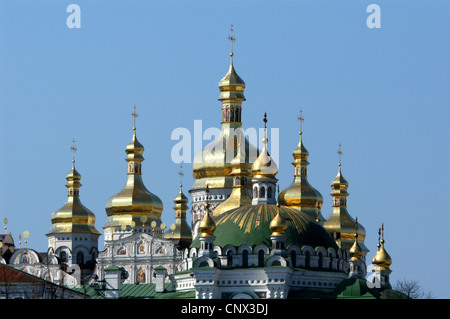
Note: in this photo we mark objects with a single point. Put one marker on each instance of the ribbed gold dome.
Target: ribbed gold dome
(300, 194)
(134, 200)
(73, 217)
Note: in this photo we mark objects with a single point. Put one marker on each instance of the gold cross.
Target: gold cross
(181, 175)
(340, 154)
(232, 39)
(134, 114)
(73, 149)
(301, 119)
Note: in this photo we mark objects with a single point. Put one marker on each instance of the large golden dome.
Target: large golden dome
(134, 200)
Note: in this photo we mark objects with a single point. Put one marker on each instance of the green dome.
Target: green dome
(250, 225)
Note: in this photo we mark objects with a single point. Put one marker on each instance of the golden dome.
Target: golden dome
(231, 86)
(134, 200)
(180, 230)
(264, 166)
(73, 217)
(356, 251)
(300, 194)
(382, 258)
(207, 224)
(278, 225)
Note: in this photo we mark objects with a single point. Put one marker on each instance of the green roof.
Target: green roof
(138, 291)
(355, 288)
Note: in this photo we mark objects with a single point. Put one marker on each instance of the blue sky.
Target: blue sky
(383, 93)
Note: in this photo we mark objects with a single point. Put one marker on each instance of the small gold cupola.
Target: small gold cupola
(278, 225)
(180, 231)
(382, 259)
(356, 251)
(207, 225)
(300, 194)
(264, 170)
(264, 166)
(134, 200)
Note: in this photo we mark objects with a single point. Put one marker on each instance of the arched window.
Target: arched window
(307, 259)
(80, 258)
(245, 258)
(261, 258)
(320, 259)
(294, 258)
(262, 192)
(63, 256)
(269, 192)
(229, 258)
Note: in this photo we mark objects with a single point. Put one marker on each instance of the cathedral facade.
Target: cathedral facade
(246, 239)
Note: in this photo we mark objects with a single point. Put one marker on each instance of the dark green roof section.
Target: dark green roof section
(137, 291)
(355, 288)
(112, 268)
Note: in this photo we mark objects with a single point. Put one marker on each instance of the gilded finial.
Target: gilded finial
(232, 39)
(73, 149)
(134, 115)
(5, 221)
(278, 195)
(301, 119)
(265, 128)
(356, 228)
(340, 154)
(379, 236)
